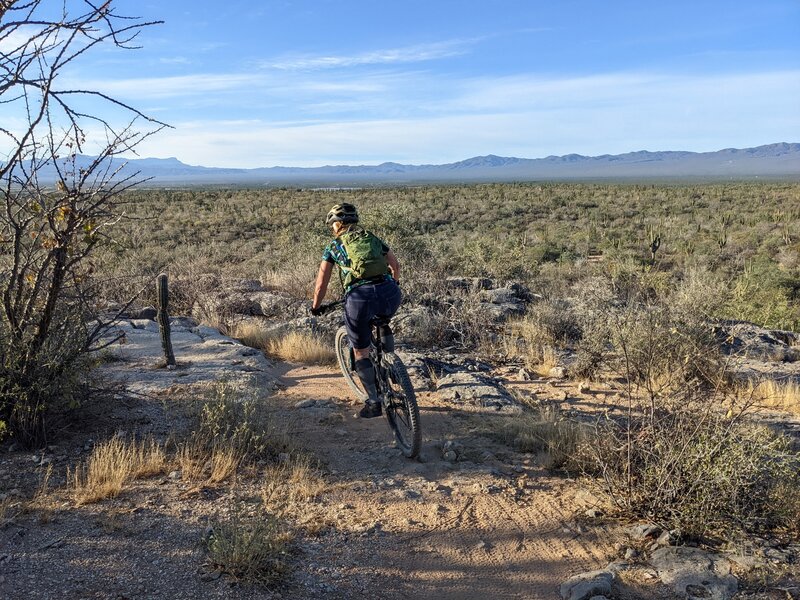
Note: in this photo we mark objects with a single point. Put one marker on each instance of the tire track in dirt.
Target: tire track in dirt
(468, 533)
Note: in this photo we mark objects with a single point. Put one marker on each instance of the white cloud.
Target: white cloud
(408, 54)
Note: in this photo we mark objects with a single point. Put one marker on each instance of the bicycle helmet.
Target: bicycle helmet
(345, 213)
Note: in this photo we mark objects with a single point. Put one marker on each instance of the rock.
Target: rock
(148, 312)
(694, 573)
(643, 531)
(587, 585)
(475, 391)
(557, 373)
(413, 494)
(307, 403)
(246, 285)
(450, 456)
(594, 513)
(175, 474)
(630, 553)
(485, 546)
(468, 283)
(523, 375)
(665, 539)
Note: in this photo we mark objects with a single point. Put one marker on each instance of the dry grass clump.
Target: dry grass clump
(249, 547)
(252, 334)
(770, 393)
(111, 465)
(301, 347)
(555, 439)
(292, 346)
(289, 485)
(527, 340)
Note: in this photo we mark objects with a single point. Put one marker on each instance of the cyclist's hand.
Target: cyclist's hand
(316, 311)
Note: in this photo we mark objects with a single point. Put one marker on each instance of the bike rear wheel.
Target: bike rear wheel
(344, 354)
(400, 406)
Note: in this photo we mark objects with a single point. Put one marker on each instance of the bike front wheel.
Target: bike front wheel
(400, 406)
(344, 354)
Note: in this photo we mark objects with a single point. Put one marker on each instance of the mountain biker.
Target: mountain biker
(365, 298)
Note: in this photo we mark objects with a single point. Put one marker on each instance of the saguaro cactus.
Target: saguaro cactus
(163, 318)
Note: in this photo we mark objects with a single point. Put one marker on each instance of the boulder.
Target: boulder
(148, 312)
(472, 391)
(695, 574)
(587, 585)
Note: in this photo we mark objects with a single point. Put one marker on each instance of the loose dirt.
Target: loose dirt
(492, 525)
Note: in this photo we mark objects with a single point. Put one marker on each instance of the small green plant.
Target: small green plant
(250, 547)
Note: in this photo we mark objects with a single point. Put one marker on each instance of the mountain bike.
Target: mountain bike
(394, 386)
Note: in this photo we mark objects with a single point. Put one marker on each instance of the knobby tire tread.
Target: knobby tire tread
(342, 346)
(411, 447)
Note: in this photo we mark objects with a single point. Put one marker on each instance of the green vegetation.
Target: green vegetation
(545, 235)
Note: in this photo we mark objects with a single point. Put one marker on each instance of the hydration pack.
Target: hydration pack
(365, 253)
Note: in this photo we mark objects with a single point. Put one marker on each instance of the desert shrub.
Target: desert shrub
(48, 233)
(761, 293)
(249, 547)
(47, 381)
(657, 334)
(232, 428)
(691, 468)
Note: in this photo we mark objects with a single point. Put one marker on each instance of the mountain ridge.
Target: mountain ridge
(777, 160)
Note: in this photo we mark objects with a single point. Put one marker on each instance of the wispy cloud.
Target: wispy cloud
(164, 87)
(408, 54)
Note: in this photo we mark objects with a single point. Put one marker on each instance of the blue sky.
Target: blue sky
(306, 83)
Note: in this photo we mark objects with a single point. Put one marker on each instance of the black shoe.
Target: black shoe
(371, 410)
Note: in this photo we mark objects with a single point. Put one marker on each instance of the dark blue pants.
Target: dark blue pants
(364, 303)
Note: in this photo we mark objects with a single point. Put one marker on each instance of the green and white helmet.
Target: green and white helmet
(345, 213)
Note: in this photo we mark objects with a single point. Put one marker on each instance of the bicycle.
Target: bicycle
(394, 386)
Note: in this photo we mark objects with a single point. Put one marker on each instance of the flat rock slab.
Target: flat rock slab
(587, 586)
(204, 356)
(475, 392)
(694, 573)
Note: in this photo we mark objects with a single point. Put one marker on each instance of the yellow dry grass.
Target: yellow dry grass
(287, 486)
(769, 393)
(111, 465)
(300, 347)
(547, 361)
(252, 334)
(223, 464)
(294, 346)
(198, 462)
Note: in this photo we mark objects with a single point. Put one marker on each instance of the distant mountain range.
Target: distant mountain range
(774, 161)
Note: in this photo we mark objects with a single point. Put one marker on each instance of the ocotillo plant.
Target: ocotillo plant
(163, 318)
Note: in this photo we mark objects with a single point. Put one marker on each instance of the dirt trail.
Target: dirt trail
(492, 525)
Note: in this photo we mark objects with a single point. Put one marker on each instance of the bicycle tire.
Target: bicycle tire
(400, 406)
(344, 356)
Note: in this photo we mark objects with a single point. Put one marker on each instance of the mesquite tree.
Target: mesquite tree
(56, 203)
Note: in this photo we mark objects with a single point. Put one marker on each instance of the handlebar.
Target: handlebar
(326, 308)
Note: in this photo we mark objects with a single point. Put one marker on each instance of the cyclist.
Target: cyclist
(365, 298)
